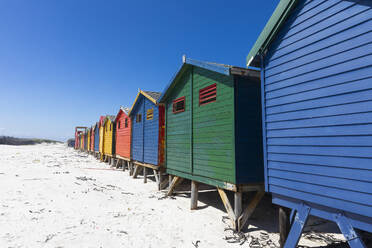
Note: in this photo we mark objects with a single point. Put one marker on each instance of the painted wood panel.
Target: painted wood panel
(318, 106)
(123, 135)
(96, 138)
(137, 130)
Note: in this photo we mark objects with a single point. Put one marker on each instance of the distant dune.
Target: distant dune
(6, 140)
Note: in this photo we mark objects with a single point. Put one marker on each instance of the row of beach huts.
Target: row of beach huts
(296, 123)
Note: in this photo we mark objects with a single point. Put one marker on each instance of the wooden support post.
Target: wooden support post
(250, 209)
(170, 179)
(117, 163)
(159, 180)
(298, 225)
(194, 194)
(130, 168)
(226, 203)
(284, 225)
(164, 183)
(144, 175)
(238, 202)
(137, 170)
(156, 176)
(123, 162)
(176, 180)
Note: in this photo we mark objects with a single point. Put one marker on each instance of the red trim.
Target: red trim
(207, 93)
(177, 101)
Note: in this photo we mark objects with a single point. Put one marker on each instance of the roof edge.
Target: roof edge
(278, 17)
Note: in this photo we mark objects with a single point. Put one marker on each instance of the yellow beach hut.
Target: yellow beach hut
(109, 137)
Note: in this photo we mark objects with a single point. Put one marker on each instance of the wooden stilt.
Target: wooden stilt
(170, 180)
(238, 204)
(163, 183)
(156, 177)
(284, 225)
(137, 170)
(226, 203)
(176, 180)
(194, 195)
(159, 179)
(123, 162)
(250, 209)
(144, 175)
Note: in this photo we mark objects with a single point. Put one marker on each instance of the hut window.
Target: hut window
(126, 122)
(119, 124)
(179, 105)
(150, 114)
(138, 118)
(208, 94)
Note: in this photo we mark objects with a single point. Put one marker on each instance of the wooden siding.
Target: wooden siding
(108, 132)
(88, 140)
(213, 128)
(178, 128)
(123, 135)
(96, 139)
(318, 106)
(101, 139)
(137, 130)
(151, 134)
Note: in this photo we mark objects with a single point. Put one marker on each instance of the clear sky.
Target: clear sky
(65, 63)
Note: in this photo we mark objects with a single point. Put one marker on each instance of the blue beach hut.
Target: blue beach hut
(147, 131)
(316, 61)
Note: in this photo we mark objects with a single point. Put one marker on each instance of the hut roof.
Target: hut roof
(124, 109)
(216, 67)
(272, 27)
(153, 96)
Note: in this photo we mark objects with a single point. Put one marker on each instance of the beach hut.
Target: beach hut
(78, 131)
(92, 139)
(96, 140)
(109, 138)
(88, 140)
(85, 140)
(147, 134)
(82, 141)
(101, 136)
(316, 64)
(214, 131)
(123, 136)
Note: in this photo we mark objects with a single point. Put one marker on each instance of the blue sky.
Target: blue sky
(65, 63)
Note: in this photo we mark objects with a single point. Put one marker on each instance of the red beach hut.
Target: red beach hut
(123, 135)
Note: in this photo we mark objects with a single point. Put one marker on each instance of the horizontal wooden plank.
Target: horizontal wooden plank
(323, 170)
(363, 164)
(323, 200)
(358, 107)
(322, 131)
(323, 141)
(349, 119)
(324, 180)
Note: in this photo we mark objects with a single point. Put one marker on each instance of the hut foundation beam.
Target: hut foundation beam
(176, 181)
(194, 195)
(229, 209)
(242, 220)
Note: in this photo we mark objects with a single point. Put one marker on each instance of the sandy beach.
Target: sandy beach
(54, 196)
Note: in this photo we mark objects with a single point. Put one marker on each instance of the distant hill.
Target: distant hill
(6, 140)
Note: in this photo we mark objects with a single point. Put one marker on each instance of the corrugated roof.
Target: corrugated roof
(276, 20)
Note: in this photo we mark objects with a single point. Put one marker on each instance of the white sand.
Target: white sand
(43, 204)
